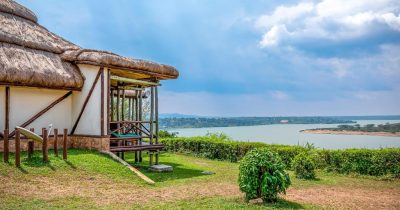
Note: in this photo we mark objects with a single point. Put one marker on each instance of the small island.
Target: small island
(387, 129)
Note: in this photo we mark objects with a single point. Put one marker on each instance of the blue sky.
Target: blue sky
(250, 58)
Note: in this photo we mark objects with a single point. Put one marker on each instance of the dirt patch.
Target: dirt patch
(104, 191)
(347, 198)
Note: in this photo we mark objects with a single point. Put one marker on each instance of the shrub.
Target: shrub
(262, 175)
(373, 162)
(221, 148)
(167, 134)
(304, 166)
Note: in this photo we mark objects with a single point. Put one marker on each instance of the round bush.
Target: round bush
(304, 166)
(262, 175)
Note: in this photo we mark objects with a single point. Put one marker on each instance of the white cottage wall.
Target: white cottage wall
(26, 102)
(89, 123)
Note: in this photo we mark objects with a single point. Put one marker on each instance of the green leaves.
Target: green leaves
(374, 162)
(262, 175)
(304, 166)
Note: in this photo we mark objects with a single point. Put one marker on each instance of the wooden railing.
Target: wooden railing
(133, 127)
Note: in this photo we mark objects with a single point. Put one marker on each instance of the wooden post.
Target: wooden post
(6, 152)
(44, 145)
(112, 105)
(156, 113)
(65, 144)
(151, 158)
(17, 149)
(151, 114)
(102, 102)
(136, 117)
(31, 145)
(118, 109)
(129, 108)
(140, 119)
(56, 142)
(7, 105)
(123, 105)
(109, 96)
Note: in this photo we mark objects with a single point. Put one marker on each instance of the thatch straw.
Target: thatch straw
(33, 56)
(11, 7)
(35, 68)
(108, 59)
(19, 31)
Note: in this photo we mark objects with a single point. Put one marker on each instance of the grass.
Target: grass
(90, 180)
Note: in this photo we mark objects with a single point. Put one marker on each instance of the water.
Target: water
(289, 134)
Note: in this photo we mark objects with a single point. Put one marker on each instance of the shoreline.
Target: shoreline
(397, 134)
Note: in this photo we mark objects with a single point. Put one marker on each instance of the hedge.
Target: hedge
(374, 162)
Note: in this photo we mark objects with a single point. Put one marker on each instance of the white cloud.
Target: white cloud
(328, 19)
(273, 36)
(280, 95)
(284, 14)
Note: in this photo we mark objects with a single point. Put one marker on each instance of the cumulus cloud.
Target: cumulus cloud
(333, 20)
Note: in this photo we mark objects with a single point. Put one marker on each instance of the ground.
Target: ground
(91, 180)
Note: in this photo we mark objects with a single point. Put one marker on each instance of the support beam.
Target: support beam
(156, 113)
(65, 144)
(140, 119)
(129, 109)
(55, 143)
(123, 105)
(156, 116)
(118, 105)
(86, 101)
(31, 145)
(151, 114)
(112, 105)
(102, 103)
(109, 96)
(44, 145)
(6, 146)
(133, 81)
(7, 114)
(17, 149)
(32, 119)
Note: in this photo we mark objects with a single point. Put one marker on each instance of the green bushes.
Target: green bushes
(374, 162)
(213, 147)
(304, 166)
(262, 175)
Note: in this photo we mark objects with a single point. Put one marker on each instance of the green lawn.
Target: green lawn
(91, 180)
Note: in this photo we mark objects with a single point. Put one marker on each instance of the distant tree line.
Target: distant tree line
(391, 128)
(245, 121)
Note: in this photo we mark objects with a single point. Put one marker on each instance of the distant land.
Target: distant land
(389, 129)
(176, 115)
(190, 121)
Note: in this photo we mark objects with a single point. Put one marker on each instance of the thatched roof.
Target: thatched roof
(108, 59)
(30, 55)
(17, 10)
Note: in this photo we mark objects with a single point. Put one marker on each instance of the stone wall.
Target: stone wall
(79, 142)
(95, 143)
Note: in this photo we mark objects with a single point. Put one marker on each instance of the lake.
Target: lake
(289, 134)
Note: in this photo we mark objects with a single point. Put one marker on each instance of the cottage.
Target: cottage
(97, 95)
